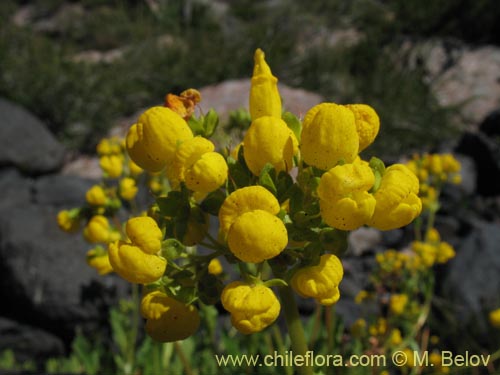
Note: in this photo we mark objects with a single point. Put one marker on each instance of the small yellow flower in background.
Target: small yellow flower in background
(264, 96)
(367, 124)
(196, 164)
(134, 169)
(435, 360)
(494, 318)
(109, 146)
(444, 253)
(358, 328)
(145, 233)
(215, 267)
(98, 230)
(410, 356)
(68, 221)
(168, 320)
(96, 196)
(395, 337)
(398, 303)
(152, 142)
(128, 188)
(397, 199)
(329, 135)
(320, 282)
(433, 236)
(269, 140)
(138, 261)
(427, 252)
(361, 296)
(344, 199)
(379, 328)
(252, 307)
(98, 258)
(184, 104)
(112, 165)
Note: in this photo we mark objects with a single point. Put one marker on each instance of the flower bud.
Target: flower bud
(96, 196)
(112, 165)
(264, 96)
(252, 307)
(98, 230)
(128, 188)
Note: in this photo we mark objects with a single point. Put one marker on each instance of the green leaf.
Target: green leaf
(172, 248)
(334, 240)
(378, 168)
(211, 204)
(266, 180)
(293, 124)
(210, 123)
(239, 174)
(196, 125)
(296, 196)
(175, 204)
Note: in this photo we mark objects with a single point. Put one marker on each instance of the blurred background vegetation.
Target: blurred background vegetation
(169, 45)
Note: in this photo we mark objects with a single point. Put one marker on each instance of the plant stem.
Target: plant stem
(295, 328)
(135, 326)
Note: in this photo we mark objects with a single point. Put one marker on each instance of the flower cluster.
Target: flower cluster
(284, 200)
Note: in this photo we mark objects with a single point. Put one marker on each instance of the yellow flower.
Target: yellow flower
(320, 282)
(329, 135)
(344, 199)
(168, 320)
(108, 146)
(128, 188)
(244, 200)
(112, 165)
(433, 236)
(98, 259)
(135, 265)
(427, 252)
(252, 307)
(96, 196)
(98, 230)
(397, 199)
(361, 296)
(379, 328)
(494, 318)
(68, 221)
(215, 267)
(145, 233)
(184, 104)
(198, 166)
(358, 328)
(445, 252)
(395, 337)
(269, 140)
(264, 96)
(398, 303)
(367, 124)
(435, 359)
(256, 236)
(152, 142)
(410, 356)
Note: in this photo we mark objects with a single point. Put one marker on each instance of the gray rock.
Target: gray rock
(61, 190)
(364, 239)
(16, 189)
(472, 279)
(28, 342)
(26, 142)
(45, 279)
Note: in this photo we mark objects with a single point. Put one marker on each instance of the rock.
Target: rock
(61, 190)
(472, 278)
(45, 279)
(16, 189)
(364, 239)
(30, 147)
(485, 152)
(459, 75)
(491, 124)
(28, 342)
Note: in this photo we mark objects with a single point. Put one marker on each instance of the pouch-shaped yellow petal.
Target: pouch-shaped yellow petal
(397, 199)
(97, 230)
(329, 135)
(243, 200)
(252, 307)
(367, 124)
(269, 140)
(344, 179)
(264, 96)
(137, 150)
(348, 213)
(207, 174)
(188, 153)
(168, 320)
(320, 282)
(145, 233)
(256, 236)
(134, 265)
(163, 130)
